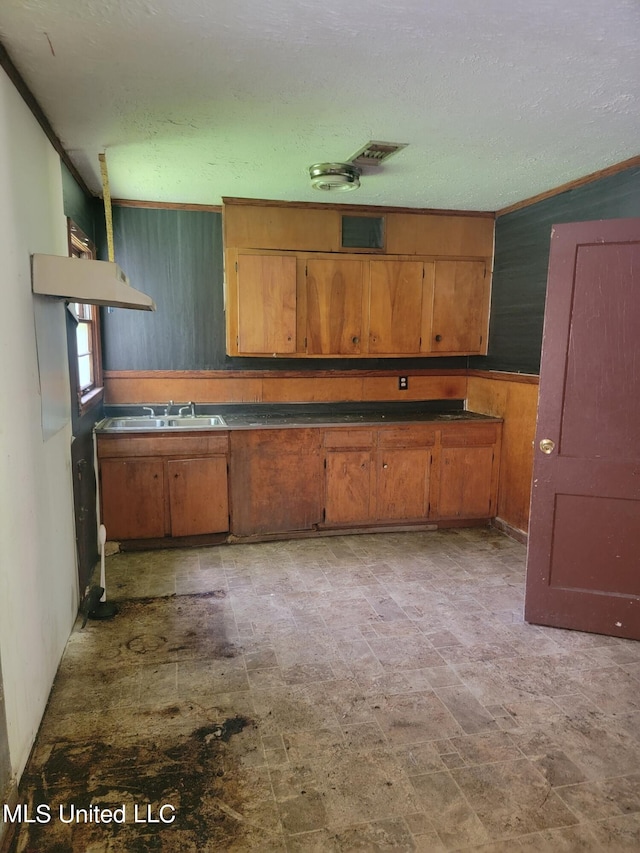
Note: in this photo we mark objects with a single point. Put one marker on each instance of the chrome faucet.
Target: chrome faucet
(152, 414)
(190, 407)
(167, 410)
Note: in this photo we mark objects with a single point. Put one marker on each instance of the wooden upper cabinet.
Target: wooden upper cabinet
(460, 308)
(266, 299)
(292, 228)
(416, 284)
(395, 306)
(335, 306)
(444, 235)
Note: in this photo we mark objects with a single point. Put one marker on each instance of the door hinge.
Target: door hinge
(305, 343)
(325, 462)
(236, 266)
(324, 513)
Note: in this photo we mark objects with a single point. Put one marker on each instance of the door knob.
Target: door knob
(547, 445)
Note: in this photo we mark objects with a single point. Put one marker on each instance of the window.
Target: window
(88, 361)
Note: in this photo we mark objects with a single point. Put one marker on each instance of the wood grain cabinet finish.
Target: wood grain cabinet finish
(276, 481)
(154, 486)
(373, 476)
(292, 289)
(266, 310)
(132, 498)
(468, 468)
(335, 306)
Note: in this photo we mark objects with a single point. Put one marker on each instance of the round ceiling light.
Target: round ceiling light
(336, 177)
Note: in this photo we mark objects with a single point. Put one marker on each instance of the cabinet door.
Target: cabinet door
(395, 306)
(198, 500)
(266, 287)
(276, 480)
(132, 492)
(466, 482)
(460, 307)
(403, 484)
(349, 487)
(335, 293)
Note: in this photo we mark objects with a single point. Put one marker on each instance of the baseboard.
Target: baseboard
(8, 830)
(514, 532)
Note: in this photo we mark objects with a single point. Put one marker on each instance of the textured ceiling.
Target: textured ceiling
(193, 100)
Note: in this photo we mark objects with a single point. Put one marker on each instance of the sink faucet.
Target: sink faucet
(167, 410)
(152, 414)
(190, 407)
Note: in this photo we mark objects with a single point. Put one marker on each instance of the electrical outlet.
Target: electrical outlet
(403, 383)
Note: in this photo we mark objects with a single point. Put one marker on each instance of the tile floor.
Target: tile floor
(364, 693)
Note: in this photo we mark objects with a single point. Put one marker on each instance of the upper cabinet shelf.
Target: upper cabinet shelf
(322, 281)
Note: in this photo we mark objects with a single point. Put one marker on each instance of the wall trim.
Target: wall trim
(167, 205)
(355, 208)
(505, 376)
(10, 797)
(27, 96)
(277, 374)
(509, 530)
(571, 185)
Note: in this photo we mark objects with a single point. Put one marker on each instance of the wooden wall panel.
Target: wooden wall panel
(444, 387)
(515, 399)
(234, 387)
(134, 387)
(311, 389)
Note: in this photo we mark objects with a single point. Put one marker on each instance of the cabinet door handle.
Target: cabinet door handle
(355, 339)
(384, 465)
(438, 338)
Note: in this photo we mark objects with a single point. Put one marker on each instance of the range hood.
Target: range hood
(84, 280)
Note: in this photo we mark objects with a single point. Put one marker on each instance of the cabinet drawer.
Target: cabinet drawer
(355, 438)
(409, 436)
(469, 435)
(162, 445)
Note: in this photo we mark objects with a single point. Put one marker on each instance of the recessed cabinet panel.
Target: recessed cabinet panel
(349, 487)
(395, 306)
(132, 498)
(403, 484)
(466, 482)
(335, 292)
(460, 307)
(266, 287)
(198, 495)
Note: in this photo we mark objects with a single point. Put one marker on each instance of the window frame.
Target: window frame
(80, 246)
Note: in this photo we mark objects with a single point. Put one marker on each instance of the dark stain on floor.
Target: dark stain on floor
(196, 777)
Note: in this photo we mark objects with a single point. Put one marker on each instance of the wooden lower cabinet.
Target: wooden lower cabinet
(377, 475)
(132, 501)
(276, 480)
(468, 470)
(291, 480)
(198, 499)
(349, 487)
(154, 486)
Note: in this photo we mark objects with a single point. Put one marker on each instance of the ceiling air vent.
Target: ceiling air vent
(375, 153)
(338, 177)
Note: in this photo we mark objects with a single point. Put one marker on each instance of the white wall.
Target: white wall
(38, 578)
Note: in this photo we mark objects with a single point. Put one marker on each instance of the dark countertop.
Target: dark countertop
(261, 416)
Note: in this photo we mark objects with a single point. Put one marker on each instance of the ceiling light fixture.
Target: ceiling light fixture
(335, 177)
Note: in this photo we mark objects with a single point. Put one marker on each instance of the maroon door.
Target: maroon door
(583, 564)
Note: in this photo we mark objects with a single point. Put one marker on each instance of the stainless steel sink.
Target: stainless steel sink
(147, 424)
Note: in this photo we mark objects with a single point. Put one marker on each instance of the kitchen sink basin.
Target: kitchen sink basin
(145, 424)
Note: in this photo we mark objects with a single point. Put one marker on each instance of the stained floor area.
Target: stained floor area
(352, 693)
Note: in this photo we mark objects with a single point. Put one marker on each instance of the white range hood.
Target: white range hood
(83, 280)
